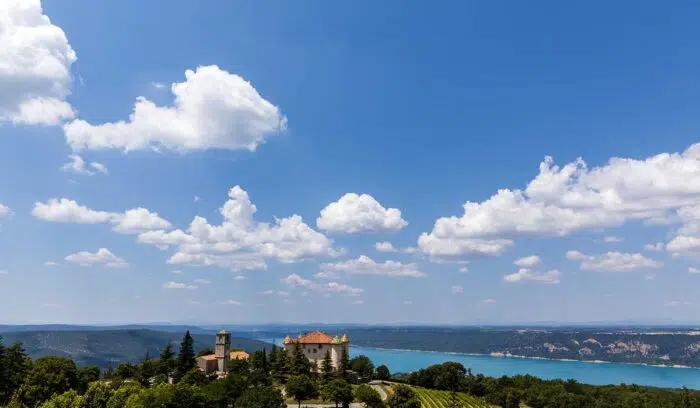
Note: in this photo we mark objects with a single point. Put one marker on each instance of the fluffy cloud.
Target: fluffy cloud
(35, 63)
(78, 166)
(613, 261)
(212, 109)
(457, 289)
(693, 270)
(272, 292)
(354, 213)
(232, 302)
(202, 281)
(4, 210)
(525, 274)
(562, 200)
(131, 221)
(240, 242)
(365, 265)
(335, 287)
(488, 301)
(178, 285)
(103, 256)
(527, 261)
(384, 246)
(296, 281)
(659, 246)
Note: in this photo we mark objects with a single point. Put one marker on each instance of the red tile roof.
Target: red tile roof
(316, 337)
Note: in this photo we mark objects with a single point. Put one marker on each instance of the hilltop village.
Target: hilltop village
(316, 346)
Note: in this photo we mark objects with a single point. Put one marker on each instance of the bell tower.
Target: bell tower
(223, 349)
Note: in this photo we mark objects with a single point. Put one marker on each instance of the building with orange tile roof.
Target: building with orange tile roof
(314, 345)
(217, 363)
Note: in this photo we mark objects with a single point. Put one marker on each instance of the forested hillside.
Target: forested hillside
(105, 348)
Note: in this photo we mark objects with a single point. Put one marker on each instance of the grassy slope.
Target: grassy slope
(110, 347)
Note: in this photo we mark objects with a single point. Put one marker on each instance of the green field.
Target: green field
(441, 399)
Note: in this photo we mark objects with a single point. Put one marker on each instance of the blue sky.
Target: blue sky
(306, 136)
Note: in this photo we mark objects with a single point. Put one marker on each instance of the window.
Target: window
(314, 351)
(320, 346)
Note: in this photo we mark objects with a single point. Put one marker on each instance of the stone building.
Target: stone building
(217, 363)
(315, 344)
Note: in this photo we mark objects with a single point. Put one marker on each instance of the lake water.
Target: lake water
(590, 373)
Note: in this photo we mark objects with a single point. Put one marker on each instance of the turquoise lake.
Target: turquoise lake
(589, 373)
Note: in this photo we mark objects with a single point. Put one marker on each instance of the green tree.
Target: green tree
(195, 377)
(68, 399)
(272, 357)
(368, 396)
(344, 361)
(98, 395)
(224, 392)
(87, 375)
(261, 397)
(403, 397)
(46, 377)
(205, 352)
(127, 371)
(281, 366)
(166, 361)
(363, 366)
(186, 358)
(327, 367)
(119, 397)
(337, 391)
(382, 373)
(14, 364)
(300, 365)
(301, 387)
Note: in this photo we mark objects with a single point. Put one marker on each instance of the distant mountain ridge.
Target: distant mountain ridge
(110, 347)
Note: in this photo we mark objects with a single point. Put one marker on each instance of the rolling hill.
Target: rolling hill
(106, 348)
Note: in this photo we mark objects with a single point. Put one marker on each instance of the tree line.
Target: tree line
(172, 380)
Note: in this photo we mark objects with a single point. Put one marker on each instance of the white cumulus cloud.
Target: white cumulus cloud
(103, 256)
(456, 289)
(178, 285)
(613, 261)
(562, 200)
(693, 270)
(212, 109)
(659, 246)
(528, 261)
(611, 239)
(525, 274)
(35, 64)
(354, 213)
(365, 265)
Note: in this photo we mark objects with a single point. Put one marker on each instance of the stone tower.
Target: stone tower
(223, 350)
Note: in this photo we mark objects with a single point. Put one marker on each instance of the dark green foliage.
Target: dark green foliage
(86, 375)
(382, 373)
(403, 397)
(344, 361)
(166, 360)
(119, 397)
(363, 366)
(261, 397)
(14, 364)
(337, 391)
(186, 360)
(299, 364)
(301, 387)
(195, 377)
(46, 377)
(68, 399)
(205, 351)
(281, 365)
(327, 367)
(225, 391)
(368, 396)
(127, 371)
(98, 395)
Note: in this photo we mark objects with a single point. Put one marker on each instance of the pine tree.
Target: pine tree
(327, 367)
(300, 365)
(166, 361)
(272, 357)
(185, 359)
(282, 365)
(344, 361)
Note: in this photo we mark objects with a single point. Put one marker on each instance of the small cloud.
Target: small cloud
(177, 285)
(488, 301)
(327, 275)
(232, 302)
(103, 256)
(457, 289)
(158, 85)
(358, 302)
(384, 246)
(239, 278)
(650, 276)
(407, 302)
(99, 167)
(202, 281)
(49, 306)
(527, 261)
(77, 165)
(272, 292)
(693, 270)
(657, 247)
(524, 274)
(675, 303)
(612, 239)
(463, 269)
(178, 272)
(50, 263)
(196, 199)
